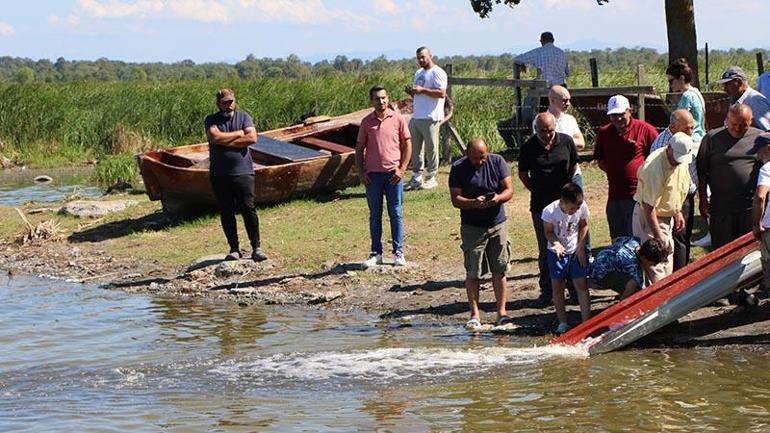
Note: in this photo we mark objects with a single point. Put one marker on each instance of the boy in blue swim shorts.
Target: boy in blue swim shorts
(565, 222)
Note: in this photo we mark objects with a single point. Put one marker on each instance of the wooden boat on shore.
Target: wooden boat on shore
(299, 160)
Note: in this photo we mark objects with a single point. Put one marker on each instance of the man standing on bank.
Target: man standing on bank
(383, 147)
(550, 61)
(621, 147)
(480, 183)
(429, 93)
(230, 133)
(547, 162)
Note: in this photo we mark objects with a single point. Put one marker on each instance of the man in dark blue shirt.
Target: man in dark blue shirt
(479, 184)
(230, 133)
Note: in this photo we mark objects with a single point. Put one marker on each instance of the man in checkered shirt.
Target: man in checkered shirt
(550, 61)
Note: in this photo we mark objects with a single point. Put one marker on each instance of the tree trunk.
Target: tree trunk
(682, 41)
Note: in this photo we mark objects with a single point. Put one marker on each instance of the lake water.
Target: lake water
(18, 186)
(84, 359)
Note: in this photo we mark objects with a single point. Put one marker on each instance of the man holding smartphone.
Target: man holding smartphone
(547, 162)
(479, 183)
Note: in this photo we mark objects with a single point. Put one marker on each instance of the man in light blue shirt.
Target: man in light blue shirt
(550, 61)
(737, 88)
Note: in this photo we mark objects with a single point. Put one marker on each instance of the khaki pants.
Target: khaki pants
(643, 231)
(485, 249)
(424, 134)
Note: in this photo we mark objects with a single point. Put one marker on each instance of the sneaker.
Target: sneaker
(257, 255)
(703, 242)
(414, 183)
(399, 259)
(233, 255)
(429, 183)
(562, 328)
(374, 259)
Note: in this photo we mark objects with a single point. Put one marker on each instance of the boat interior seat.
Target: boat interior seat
(334, 148)
(274, 151)
(176, 159)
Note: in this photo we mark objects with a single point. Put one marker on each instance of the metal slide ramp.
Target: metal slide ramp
(700, 283)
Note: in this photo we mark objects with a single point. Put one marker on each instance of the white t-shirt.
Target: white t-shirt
(565, 227)
(565, 124)
(764, 179)
(426, 107)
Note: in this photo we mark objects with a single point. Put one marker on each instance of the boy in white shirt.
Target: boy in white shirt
(565, 222)
(760, 211)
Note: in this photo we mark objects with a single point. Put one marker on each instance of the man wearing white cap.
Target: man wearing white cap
(621, 147)
(664, 181)
(736, 85)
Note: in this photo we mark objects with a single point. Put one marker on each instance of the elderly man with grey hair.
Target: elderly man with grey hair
(736, 85)
(547, 162)
(682, 121)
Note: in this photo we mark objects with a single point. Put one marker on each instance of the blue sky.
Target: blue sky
(229, 30)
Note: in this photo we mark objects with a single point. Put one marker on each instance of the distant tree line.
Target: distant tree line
(24, 70)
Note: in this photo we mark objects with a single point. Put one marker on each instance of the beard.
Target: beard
(228, 114)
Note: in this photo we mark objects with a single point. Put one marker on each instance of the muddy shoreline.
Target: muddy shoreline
(418, 292)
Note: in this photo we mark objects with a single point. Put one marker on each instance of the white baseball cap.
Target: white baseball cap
(618, 104)
(681, 144)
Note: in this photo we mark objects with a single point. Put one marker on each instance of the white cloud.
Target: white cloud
(388, 7)
(293, 11)
(6, 29)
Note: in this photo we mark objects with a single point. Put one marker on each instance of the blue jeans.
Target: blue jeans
(379, 185)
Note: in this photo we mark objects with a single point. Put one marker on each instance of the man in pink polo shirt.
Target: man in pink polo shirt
(383, 149)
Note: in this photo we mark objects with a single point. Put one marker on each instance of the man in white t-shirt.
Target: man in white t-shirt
(428, 93)
(759, 212)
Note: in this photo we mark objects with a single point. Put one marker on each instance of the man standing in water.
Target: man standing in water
(429, 93)
(383, 147)
(230, 133)
(480, 183)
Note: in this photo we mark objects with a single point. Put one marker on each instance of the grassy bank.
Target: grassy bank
(303, 235)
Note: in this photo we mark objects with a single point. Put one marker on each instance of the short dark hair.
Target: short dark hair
(421, 49)
(653, 250)
(374, 90)
(572, 193)
(546, 37)
(680, 68)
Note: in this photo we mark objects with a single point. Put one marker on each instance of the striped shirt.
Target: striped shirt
(550, 61)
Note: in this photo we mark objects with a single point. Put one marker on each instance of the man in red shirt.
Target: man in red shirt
(621, 147)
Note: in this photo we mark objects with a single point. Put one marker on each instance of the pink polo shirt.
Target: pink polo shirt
(381, 138)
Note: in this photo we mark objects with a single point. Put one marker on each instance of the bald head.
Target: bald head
(476, 150)
(558, 99)
(738, 120)
(545, 128)
(682, 121)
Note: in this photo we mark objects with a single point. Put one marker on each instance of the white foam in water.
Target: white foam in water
(391, 364)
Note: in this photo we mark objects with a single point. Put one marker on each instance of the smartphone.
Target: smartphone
(489, 196)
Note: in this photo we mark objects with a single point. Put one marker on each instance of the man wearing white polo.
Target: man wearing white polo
(428, 93)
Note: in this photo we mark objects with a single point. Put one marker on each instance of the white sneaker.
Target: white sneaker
(374, 259)
(399, 259)
(414, 183)
(429, 183)
(703, 242)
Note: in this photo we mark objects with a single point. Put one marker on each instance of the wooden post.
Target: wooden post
(594, 72)
(760, 64)
(517, 101)
(446, 148)
(640, 81)
(707, 64)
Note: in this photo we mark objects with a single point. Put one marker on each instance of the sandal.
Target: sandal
(473, 323)
(504, 320)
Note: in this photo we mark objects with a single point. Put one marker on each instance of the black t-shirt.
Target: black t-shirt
(475, 182)
(549, 170)
(229, 161)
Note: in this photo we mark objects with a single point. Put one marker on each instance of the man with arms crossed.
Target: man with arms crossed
(429, 93)
(383, 147)
(230, 133)
(480, 183)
